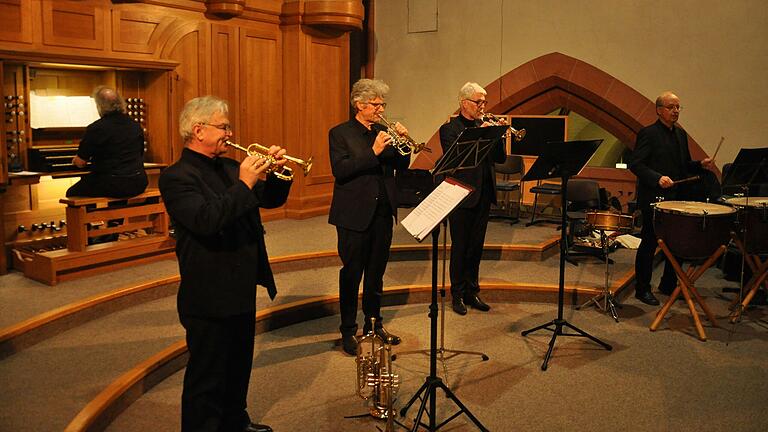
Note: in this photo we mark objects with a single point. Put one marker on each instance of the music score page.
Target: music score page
(435, 207)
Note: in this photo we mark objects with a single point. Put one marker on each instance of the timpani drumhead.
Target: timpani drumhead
(693, 230)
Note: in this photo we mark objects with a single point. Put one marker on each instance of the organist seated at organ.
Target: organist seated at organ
(114, 146)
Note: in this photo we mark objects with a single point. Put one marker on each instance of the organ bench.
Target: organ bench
(88, 218)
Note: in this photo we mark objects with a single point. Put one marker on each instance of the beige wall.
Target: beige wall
(712, 53)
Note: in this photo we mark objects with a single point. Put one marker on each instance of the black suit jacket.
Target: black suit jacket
(482, 176)
(219, 235)
(659, 152)
(358, 174)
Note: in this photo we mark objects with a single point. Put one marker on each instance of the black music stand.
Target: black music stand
(562, 159)
(468, 151)
(748, 172)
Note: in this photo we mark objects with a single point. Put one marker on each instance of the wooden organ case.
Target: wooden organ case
(283, 66)
(47, 108)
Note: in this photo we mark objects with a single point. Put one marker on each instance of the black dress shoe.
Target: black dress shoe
(349, 344)
(458, 306)
(475, 302)
(387, 336)
(647, 297)
(253, 427)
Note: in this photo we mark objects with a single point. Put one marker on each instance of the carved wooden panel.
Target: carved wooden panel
(138, 32)
(16, 21)
(225, 74)
(73, 24)
(187, 80)
(327, 97)
(261, 89)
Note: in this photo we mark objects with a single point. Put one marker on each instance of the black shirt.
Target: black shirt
(114, 144)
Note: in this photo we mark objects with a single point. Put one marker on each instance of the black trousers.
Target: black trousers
(364, 256)
(468, 227)
(218, 372)
(644, 256)
(103, 185)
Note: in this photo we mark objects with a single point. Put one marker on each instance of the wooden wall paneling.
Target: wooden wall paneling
(225, 73)
(16, 21)
(261, 92)
(327, 101)
(139, 31)
(74, 24)
(187, 45)
(316, 83)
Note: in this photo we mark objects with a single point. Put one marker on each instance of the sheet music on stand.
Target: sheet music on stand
(435, 207)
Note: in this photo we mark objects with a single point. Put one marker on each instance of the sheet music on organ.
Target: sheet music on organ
(435, 207)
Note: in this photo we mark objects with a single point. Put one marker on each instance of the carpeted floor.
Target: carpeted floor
(651, 381)
(666, 380)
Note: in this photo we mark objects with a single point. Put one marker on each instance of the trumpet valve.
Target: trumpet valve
(307, 165)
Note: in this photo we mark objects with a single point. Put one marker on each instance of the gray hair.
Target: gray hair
(107, 100)
(200, 110)
(365, 90)
(469, 89)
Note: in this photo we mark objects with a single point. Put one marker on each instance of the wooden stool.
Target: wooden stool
(686, 286)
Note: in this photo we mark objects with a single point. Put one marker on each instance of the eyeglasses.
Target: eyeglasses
(378, 104)
(478, 102)
(226, 127)
(673, 107)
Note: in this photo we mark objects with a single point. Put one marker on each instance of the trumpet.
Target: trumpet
(262, 152)
(375, 379)
(498, 121)
(404, 144)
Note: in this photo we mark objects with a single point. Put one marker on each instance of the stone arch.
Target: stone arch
(556, 80)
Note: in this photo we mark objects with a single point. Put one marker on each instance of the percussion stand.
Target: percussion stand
(687, 288)
(759, 277)
(562, 159)
(608, 305)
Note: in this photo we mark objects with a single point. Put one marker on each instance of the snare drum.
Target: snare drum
(692, 230)
(601, 220)
(753, 218)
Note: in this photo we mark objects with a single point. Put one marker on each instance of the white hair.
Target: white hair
(469, 89)
(199, 110)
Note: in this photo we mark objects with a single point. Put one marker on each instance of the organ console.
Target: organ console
(50, 159)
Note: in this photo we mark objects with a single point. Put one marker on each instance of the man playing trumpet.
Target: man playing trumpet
(214, 203)
(469, 222)
(364, 206)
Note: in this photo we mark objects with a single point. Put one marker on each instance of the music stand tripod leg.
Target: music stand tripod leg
(559, 322)
(442, 350)
(427, 392)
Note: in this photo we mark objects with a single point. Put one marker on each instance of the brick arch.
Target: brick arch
(556, 80)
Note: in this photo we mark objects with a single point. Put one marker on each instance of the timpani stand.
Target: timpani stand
(752, 241)
(749, 176)
(693, 231)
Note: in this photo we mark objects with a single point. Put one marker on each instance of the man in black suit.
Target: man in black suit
(214, 204)
(661, 156)
(363, 207)
(114, 144)
(469, 222)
